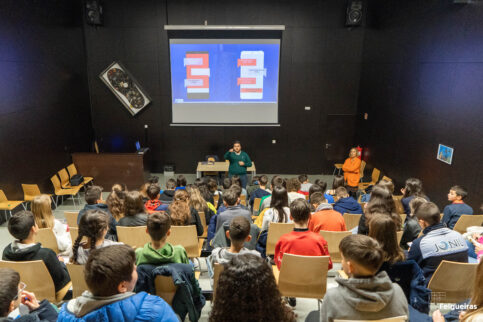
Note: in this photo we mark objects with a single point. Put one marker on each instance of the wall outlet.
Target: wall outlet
(274, 141)
(307, 108)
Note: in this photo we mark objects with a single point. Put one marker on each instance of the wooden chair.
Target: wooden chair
(38, 279)
(165, 288)
(186, 237)
(466, 221)
(452, 282)
(399, 235)
(217, 270)
(275, 231)
(73, 171)
(337, 167)
(403, 218)
(79, 284)
(30, 191)
(59, 191)
(386, 178)
(133, 236)
(352, 220)
(74, 233)
(243, 200)
(374, 178)
(71, 217)
(402, 318)
(256, 205)
(303, 276)
(9, 205)
(203, 223)
(361, 170)
(216, 199)
(64, 180)
(47, 239)
(333, 239)
(398, 204)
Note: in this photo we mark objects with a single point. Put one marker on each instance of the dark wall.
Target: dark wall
(320, 67)
(422, 84)
(44, 113)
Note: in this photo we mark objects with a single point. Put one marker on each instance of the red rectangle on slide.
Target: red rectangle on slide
(246, 62)
(251, 90)
(205, 64)
(246, 80)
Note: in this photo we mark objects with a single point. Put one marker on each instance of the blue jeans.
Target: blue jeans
(243, 179)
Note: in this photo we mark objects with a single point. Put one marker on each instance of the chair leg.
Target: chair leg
(73, 200)
(319, 302)
(53, 200)
(335, 169)
(24, 206)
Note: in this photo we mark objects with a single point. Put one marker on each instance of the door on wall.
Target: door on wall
(339, 138)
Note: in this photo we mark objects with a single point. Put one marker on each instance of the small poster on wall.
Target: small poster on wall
(445, 154)
(125, 87)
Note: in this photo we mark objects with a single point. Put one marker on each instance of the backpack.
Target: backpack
(76, 180)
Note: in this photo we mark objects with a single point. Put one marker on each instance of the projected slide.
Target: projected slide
(231, 81)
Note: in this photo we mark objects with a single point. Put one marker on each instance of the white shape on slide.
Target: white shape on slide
(258, 72)
(198, 90)
(193, 82)
(193, 61)
(200, 71)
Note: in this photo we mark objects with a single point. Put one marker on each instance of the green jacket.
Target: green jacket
(167, 254)
(235, 168)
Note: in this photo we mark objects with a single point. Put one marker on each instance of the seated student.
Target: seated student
(276, 181)
(238, 234)
(261, 192)
(94, 201)
(279, 211)
(301, 241)
(158, 251)
(345, 203)
(412, 189)
(93, 225)
(323, 185)
(12, 293)
(233, 209)
(411, 228)
(238, 191)
(366, 295)
(212, 185)
(134, 211)
(168, 193)
(293, 186)
(153, 204)
(182, 214)
(304, 184)
(110, 275)
(324, 217)
(180, 182)
(236, 180)
(253, 185)
(457, 208)
(42, 210)
(115, 201)
(23, 228)
(246, 303)
(437, 243)
(197, 202)
(336, 183)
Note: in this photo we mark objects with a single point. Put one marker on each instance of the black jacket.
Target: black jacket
(411, 231)
(45, 312)
(132, 221)
(167, 196)
(57, 270)
(112, 232)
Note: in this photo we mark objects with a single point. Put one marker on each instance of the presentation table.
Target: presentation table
(219, 167)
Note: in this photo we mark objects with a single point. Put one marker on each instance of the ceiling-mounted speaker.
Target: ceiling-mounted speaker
(355, 10)
(94, 12)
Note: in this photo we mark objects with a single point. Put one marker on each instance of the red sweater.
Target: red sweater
(301, 242)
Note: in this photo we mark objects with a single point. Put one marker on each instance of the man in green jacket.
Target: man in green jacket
(239, 162)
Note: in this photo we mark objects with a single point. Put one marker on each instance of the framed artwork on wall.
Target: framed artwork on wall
(125, 87)
(445, 154)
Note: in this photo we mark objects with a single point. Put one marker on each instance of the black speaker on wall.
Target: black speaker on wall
(94, 12)
(354, 13)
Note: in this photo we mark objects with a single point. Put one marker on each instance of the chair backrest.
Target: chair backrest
(165, 288)
(375, 175)
(216, 276)
(56, 183)
(352, 220)
(30, 191)
(452, 282)
(76, 273)
(133, 236)
(403, 218)
(402, 318)
(256, 204)
(72, 170)
(185, 236)
(399, 235)
(361, 169)
(398, 204)
(3, 197)
(216, 199)
(303, 276)
(74, 233)
(386, 178)
(71, 217)
(243, 200)
(333, 239)
(36, 276)
(275, 231)
(46, 238)
(466, 221)
(64, 176)
(203, 223)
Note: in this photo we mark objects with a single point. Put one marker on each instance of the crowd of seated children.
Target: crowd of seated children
(13, 292)
(256, 298)
(181, 208)
(304, 184)
(42, 210)
(279, 211)
(23, 228)
(351, 168)
(337, 182)
(134, 211)
(453, 212)
(411, 228)
(261, 192)
(180, 182)
(293, 186)
(437, 243)
(413, 188)
(158, 251)
(94, 201)
(94, 226)
(324, 216)
(153, 204)
(345, 203)
(383, 183)
(366, 294)
(276, 181)
(167, 196)
(231, 201)
(301, 241)
(323, 185)
(110, 275)
(115, 200)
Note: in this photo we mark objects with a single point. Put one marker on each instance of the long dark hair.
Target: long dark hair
(92, 225)
(382, 202)
(413, 187)
(383, 229)
(256, 298)
(278, 201)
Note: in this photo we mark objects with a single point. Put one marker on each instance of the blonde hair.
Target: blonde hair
(179, 211)
(196, 201)
(43, 212)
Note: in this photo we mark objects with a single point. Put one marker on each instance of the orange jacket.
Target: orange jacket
(327, 219)
(351, 170)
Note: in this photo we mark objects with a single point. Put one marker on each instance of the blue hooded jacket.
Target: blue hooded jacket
(348, 205)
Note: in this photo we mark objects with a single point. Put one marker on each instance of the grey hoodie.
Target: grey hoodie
(87, 302)
(324, 206)
(370, 298)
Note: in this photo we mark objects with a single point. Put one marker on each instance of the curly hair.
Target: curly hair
(181, 195)
(247, 291)
(383, 203)
(115, 203)
(180, 214)
(93, 225)
(196, 200)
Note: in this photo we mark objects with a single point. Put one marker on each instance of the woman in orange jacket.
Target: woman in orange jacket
(351, 168)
